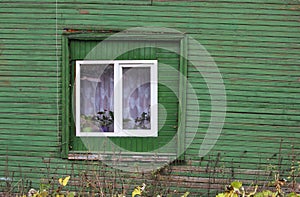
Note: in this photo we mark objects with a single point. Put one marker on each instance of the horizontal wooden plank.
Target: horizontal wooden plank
(27, 132)
(172, 2)
(285, 107)
(239, 42)
(257, 77)
(228, 4)
(30, 95)
(29, 52)
(27, 123)
(126, 23)
(198, 61)
(29, 118)
(26, 152)
(265, 99)
(49, 31)
(25, 138)
(213, 34)
(37, 100)
(232, 67)
(122, 11)
(44, 144)
(281, 114)
(110, 23)
(180, 19)
(29, 79)
(282, 130)
(41, 127)
(252, 119)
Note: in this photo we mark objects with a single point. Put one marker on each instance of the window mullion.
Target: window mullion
(118, 84)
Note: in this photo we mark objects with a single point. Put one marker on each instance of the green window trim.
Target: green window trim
(65, 135)
(66, 85)
(182, 99)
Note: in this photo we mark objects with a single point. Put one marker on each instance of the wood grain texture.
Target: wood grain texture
(255, 44)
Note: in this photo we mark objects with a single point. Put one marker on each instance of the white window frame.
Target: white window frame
(118, 105)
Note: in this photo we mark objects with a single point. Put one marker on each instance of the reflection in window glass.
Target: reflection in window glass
(136, 95)
(116, 98)
(96, 97)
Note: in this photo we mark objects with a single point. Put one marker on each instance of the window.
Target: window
(136, 128)
(116, 98)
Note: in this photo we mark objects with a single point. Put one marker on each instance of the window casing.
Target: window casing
(116, 98)
(170, 50)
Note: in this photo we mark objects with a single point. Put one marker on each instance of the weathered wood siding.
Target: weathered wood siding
(256, 45)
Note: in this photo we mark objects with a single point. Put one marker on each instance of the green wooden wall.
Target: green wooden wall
(255, 44)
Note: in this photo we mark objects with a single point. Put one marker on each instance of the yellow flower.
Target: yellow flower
(64, 181)
(138, 190)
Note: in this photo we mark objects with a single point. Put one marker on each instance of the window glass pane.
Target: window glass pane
(96, 98)
(136, 93)
(101, 104)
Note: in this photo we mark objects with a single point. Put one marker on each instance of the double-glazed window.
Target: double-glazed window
(116, 98)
